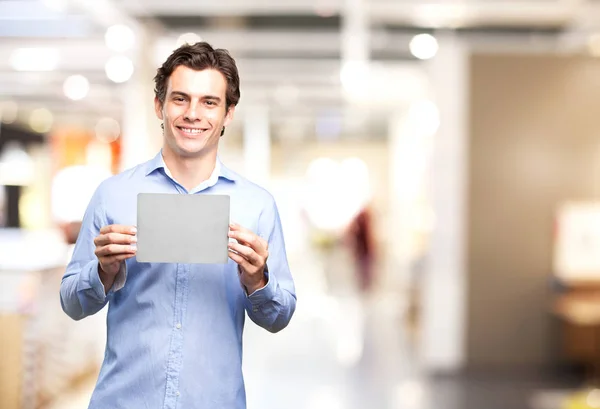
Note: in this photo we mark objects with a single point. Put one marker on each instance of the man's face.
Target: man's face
(194, 111)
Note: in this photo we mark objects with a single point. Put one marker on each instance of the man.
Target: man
(174, 336)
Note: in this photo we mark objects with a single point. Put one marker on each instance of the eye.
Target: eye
(209, 102)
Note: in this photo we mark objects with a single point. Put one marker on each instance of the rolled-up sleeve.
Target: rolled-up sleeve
(81, 290)
(272, 306)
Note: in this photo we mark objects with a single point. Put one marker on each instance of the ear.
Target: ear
(158, 108)
(229, 115)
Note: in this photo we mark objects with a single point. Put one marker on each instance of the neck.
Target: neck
(190, 171)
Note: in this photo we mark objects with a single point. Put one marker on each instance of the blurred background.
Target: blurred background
(436, 165)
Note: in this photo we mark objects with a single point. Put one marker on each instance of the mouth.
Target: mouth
(191, 131)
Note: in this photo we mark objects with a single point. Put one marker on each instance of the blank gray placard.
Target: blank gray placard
(182, 228)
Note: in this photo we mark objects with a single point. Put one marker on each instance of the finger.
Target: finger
(114, 249)
(114, 238)
(117, 258)
(246, 252)
(249, 239)
(241, 261)
(118, 228)
(238, 228)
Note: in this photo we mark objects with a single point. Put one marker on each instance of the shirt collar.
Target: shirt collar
(220, 170)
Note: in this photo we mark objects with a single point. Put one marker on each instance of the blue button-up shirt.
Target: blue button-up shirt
(174, 331)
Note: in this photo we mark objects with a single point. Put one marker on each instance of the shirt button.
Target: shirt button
(255, 309)
(177, 393)
(178, 326)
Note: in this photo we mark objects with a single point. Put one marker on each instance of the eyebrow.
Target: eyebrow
(179, 93)
(205, 97)
(212, 98)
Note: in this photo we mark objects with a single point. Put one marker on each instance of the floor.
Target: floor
(347, 351)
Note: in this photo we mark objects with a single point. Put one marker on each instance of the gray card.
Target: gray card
(182, 228)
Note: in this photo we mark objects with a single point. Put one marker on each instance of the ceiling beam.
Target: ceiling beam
(225, 7)
(430, 14)
(475, 13)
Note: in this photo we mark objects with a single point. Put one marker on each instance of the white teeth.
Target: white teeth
(192, 131)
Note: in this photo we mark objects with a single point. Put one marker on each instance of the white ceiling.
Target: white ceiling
(290, 48)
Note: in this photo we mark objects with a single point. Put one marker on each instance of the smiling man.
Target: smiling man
(175, 330)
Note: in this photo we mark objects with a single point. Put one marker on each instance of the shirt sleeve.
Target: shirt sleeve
(272, 306)
(81, 291)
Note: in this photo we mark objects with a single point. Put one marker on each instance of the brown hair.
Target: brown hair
(200, 56)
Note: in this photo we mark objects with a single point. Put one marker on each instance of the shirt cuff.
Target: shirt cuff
(120, 278)
(90, 281)
(267, 293)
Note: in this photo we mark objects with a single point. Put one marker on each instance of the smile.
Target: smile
(191, 131)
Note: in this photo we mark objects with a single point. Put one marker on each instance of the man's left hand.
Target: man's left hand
(250, 253)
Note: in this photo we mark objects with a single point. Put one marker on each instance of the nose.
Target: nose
(191, 114)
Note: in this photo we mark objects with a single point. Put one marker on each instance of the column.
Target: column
(355, 32)
(257, 145)
(443, 293)
(140, 130)
(355, 54)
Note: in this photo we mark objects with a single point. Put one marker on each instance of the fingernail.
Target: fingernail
(134, 239)
(133, 230)
(231, 224)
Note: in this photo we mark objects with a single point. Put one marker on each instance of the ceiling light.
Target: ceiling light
(119, 38)
(424, 46)
(76, 87)
(34, 59)
(119, 68)
(188, 38)
(41, 120)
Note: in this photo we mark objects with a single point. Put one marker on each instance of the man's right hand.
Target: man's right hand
(114, 244)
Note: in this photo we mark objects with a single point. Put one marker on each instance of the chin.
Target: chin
(188, 152)
(195, 148)
(189, 147)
